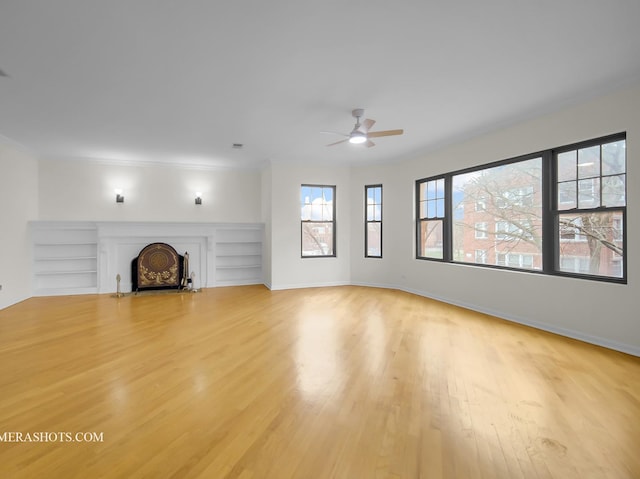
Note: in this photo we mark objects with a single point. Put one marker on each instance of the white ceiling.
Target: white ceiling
(181, 81)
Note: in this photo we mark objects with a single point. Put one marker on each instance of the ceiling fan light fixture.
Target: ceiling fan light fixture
(361, 133)
(357, 137)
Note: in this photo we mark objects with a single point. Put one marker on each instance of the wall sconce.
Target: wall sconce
(119, 196)
(198, 198)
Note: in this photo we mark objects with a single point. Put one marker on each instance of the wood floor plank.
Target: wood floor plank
(342, 382)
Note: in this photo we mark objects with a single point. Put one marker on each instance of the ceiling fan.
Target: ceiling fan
(360, 133)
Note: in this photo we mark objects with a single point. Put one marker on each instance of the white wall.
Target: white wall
(396, 194)
(19, 204)
(288, 269)
(598, 312)
(84, 190)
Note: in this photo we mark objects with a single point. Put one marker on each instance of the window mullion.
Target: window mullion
(447, 227)
(549, 212)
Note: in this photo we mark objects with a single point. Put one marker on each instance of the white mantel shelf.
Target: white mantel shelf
(71, 257)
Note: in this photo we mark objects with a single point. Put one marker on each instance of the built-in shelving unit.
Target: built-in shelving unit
(238, 255)
(74, 257)
(65, 259)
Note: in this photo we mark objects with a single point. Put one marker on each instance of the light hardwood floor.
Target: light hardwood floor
(344, 382)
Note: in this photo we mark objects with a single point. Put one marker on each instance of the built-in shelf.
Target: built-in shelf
(65, 258)
(243, 266)
(54, 273)
(62, 243)
(238, 255)
(86, 257)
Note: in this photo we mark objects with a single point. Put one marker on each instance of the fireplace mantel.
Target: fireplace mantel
(85, 257)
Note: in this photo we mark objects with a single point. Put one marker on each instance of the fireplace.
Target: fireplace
(157, 267)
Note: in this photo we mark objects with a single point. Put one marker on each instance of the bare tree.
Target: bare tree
(511, 200)
(508, 202)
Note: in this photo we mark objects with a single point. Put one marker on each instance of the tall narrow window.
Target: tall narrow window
(373, 221)
(590, 208)
(431, 206)
(317, 220)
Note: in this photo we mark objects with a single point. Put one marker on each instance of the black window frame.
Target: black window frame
(444, 218)
(367, 222)
(550, 214)
(556, 212)
(310, 221)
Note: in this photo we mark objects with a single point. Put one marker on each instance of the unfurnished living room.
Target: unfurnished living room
(313, 240)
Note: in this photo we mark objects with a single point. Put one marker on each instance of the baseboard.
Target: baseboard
(566, 332)
(279, 287)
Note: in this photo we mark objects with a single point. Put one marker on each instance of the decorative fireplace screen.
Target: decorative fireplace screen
(158, 266)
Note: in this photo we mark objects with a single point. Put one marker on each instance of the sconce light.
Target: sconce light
(198, 198)
(119, 196)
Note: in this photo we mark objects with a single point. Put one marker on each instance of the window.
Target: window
(561, 211)
(577, 264)
(373, 221)
(522, 196)
(511, 193)
(515, 260)
(590, 208)
(481, 230)
(502, 230)
(570, 231)
(431, 207)
(515, 230)
(318, 224)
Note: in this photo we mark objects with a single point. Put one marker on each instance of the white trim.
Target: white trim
(280, 287)
(569, 333)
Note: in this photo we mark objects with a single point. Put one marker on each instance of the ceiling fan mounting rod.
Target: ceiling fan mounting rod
(357, 114)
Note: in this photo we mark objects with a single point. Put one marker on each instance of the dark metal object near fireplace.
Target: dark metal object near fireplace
(159, 266)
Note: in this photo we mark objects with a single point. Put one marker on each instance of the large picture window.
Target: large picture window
(317, 220)
(561, 211)
(373, 221)
(510, 219)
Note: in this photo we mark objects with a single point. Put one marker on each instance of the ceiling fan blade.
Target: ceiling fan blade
(369, 144)
(338, 142)
(366, 125)
(376, 134)
(334, 133)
